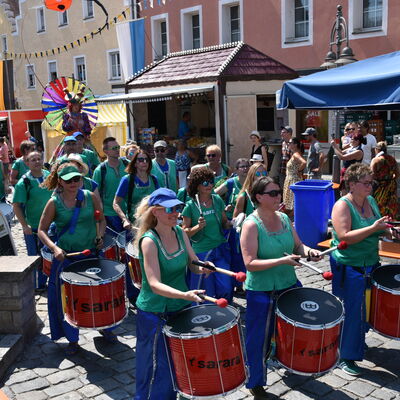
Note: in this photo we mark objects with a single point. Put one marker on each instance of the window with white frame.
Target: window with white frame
(367, 18)
(40, 22)
(80, 68)
(63, 18)
(230, 21)
(297, 17)
(52, 67)
(30, 77)
(114, 65)
(159, 35)
(88, 10)
(191, 28)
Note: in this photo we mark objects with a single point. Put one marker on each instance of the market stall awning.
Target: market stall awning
(111, 114)
(158, 93)
(373, 83)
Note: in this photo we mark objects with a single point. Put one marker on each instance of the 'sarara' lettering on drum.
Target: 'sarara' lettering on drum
(100, 307)
(229, 362)
(317, 352)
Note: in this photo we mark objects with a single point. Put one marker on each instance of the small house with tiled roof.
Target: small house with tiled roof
(226, 88)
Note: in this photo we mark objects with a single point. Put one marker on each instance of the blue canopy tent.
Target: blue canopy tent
(373, 83)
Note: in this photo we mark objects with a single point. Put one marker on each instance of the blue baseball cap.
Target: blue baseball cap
(76, 134)
(69, 139)
(164, 197)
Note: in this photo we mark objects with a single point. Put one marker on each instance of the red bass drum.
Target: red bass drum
(93, 293)
(385, 301)
(308, 327)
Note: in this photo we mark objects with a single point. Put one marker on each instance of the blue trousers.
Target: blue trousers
(153, 374)
(33, 246)
(260, 326)
(350, 285)
(217, 284)
(115, 223)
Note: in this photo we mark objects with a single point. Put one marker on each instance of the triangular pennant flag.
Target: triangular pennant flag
(72, 45)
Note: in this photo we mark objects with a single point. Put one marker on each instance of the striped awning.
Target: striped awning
(111, 114)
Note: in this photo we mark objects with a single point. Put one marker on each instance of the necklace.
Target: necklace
(358, 206)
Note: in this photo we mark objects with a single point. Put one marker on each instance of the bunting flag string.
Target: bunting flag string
(142, 5)
(71, 45)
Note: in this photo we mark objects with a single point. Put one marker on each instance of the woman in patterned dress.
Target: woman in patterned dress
(385, 173)
(294, 172)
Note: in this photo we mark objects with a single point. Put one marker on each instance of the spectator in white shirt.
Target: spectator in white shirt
(370, 145)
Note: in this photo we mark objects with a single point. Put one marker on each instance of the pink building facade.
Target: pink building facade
(295, 32)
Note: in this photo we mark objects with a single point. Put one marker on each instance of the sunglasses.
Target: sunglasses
(262, 173)
(243, 167)
(273, 193)
(211, 155)
(142, 159)
(178, 209)
(208, 183)
(350, 129)
(115, 148)
(162, 150)
(74, 179)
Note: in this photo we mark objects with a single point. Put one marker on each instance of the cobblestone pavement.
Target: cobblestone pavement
(104, 371)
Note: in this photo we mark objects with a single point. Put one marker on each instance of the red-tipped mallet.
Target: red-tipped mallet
(326, 275)
(219, 302)
(97, 216)
(86, 252)
(239, 276)
(341, 246)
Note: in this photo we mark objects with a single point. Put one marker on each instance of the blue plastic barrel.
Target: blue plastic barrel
(313, 202)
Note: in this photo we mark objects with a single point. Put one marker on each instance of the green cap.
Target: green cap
(68, 172)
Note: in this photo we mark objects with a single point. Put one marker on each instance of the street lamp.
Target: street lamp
(339, 35)
(333, 59)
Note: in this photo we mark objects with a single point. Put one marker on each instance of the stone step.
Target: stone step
(11, 346)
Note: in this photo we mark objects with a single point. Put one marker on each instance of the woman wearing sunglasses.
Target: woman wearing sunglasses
(204, 221)
(357, 221)
(266, 236)
(164, 251)
(72, 211)
(244, 203)
(133, 187)
(221, 171)
(348, 132)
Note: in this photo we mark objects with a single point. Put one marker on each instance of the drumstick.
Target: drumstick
(341, 246)
(198, 204)
(86, 252)
(219, 302)
(239, 276)
(97, 218)
(281, 207)
(326, 275)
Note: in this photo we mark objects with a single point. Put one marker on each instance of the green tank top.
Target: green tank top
(84, 236)
(366, 252)
(172, 270)
(272, 245)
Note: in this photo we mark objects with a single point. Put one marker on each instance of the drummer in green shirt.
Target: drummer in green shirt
(163, 168)
(266, 236)
(29, 201)
(204, 221)
(19, 166)
(164, 252)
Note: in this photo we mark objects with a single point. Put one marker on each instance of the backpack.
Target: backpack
(103, 172)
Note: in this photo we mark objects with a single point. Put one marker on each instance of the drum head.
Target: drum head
(109, 241)
(200, 320)
(388, 276)
(92, 271)
(309, 306)
(131, 250)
